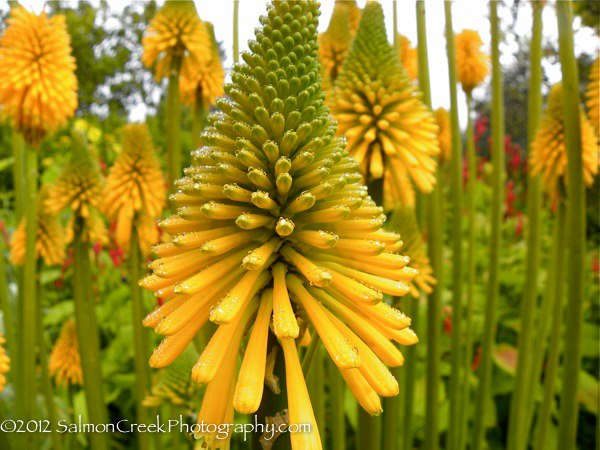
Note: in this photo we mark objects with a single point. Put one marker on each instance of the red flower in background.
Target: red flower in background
(520, 224)
(509, 200)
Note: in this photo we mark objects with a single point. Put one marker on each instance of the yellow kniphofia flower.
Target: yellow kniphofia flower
(65, 363)
(272, 225)
(472, 63)
(204, 83)
(408, 57)
(442, 118)
(404, 222)
(135, 189)
(389, 130)
(51, 237)
(4, 363)
(176, 39)
(38, 87)
(592, 95)
(548, 156)
(335, 42)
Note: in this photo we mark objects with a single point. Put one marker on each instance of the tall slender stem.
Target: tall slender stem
(174, 121)
(471, 279)
(555, 294)
(567, 431)
(392, 415)
(18, 145)
(140, 341)
(409, 382)
(434, 249)
(198, 119)
(525, 382)
(236, 34)
(336, 402)
(369, 430)
(456, 193)
(489, 326)
(87, 333)
(316, 387)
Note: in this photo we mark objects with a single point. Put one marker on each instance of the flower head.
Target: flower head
(442, 118)
(471, 61)
(548, 156)
(204, 83)
(176, 37)
(135, 189)
(4, 363)
(274, 224)
(38, 87)
(335, 42)
(65, 363)
(51, 239)
(408, 57)
(592, 94)
(389, 130)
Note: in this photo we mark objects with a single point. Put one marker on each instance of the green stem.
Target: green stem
(393, 407)
(556, 299)
(410, 366)
(198, 119)
(336, 405)
(434, 249)
(489, 327)
(527, 373)
(174, 121)
(18, 146)
(140, 340)
(236, 34)
(471, 278)
(316, 388)
(456, 169)
(567, 431)
(369, 430)
(87, 333)
(29, 291)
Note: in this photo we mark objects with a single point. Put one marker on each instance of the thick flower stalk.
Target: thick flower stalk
(389, 130)
(273, 225)
(50, 242)
(592, 95)
(335, 42)
(548, 156)
(472, 63)
(134, 194)
(444, 135)
(4, 363)
(408, 57)
(38, 87)
(65, 363)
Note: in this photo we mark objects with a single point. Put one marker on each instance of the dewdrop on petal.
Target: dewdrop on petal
(389, 130)
(271, 214)
(64, 362)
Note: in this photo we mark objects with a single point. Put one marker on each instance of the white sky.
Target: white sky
(471, 14)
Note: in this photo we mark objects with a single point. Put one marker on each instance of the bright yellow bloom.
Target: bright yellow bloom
(389, 130)
(4, 363)
(176, 38)
(471, 62)
(404, 222)
(204, 83)
(38, 87)
(408, 57)
(442, 118)
(592, 94)
(135, 189)
(548, 156)
(335, 42)
(51, 238)
(273, 223)
(65, 363)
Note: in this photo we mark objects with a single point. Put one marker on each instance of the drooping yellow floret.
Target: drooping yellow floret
(204, 83)
(135, 189)
(389, 130)
(548, 156)
(442, 118)
(38, 87)
(408, 57)
(272, 225)
(51, 237)
(4, 363)
(65, 362)
(472, 63)
(176, 39)
(592, 95)
(335, 42)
